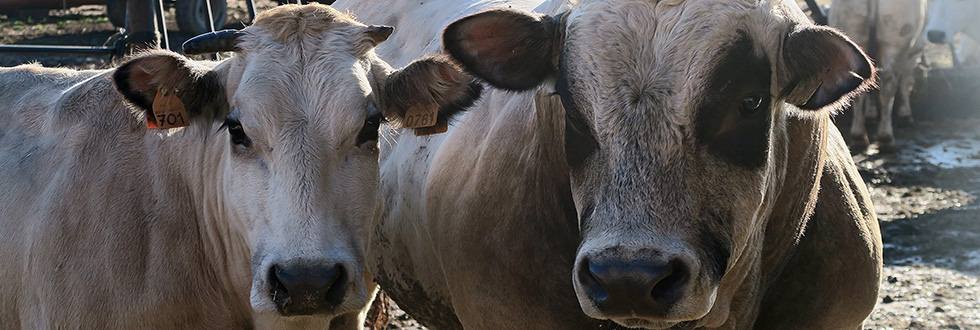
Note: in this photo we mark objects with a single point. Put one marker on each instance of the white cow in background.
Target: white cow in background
(891, 29)
(955, 21)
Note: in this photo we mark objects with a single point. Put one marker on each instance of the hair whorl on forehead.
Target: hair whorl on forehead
(294, 21)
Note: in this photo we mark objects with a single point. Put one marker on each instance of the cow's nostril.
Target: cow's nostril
(590, 283)
(276, 289)
(306, 288)
(335, 295)
(634, 287)
(670, 288)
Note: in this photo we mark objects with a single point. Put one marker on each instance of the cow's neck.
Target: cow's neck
(806, 141)
(803, 156)
(523, 197)
(797, 153)
(194, 159)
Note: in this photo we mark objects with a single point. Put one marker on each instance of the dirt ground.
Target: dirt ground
(926, 199)
(926, 194)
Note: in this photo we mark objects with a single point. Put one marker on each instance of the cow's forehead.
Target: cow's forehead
(300, 70)
(644, 45)
(635, 50)
(331, 101)
(683, 12)
(648, 62)
(287, 24)
(300, 33)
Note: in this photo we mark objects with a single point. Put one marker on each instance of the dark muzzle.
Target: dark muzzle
(307, 289)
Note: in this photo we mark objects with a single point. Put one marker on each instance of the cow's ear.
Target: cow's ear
(197, 86)
(825, 69)
(509, 49)
(428, 93)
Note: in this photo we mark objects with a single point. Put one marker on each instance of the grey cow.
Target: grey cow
(652, 164)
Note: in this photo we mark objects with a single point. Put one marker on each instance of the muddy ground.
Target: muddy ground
(926, 194)
(926, 199)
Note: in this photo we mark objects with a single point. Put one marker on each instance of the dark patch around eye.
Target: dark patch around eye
(728, 131)
(579, 141)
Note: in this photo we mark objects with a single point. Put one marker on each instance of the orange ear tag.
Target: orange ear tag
(168, 111)
(419, 116)
(437, 129)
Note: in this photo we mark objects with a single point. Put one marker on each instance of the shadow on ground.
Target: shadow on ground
(926, 199)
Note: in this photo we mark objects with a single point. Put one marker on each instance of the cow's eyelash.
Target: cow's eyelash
(236, 132)
(228, 120)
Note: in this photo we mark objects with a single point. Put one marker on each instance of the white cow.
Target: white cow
(950, 18)
(251, 216)
(893, 30)
(644, 163)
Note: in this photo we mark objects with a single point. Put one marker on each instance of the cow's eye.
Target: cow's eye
(369, 132)
(236, 132)
(754, 104)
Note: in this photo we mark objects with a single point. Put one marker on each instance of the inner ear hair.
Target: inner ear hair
(826, 69)
(433, 82)
(509, 49)
(198, 86)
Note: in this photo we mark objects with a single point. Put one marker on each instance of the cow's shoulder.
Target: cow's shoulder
(67, 140)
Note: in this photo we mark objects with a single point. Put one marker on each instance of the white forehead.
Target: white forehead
(331, 94)
(302, 66)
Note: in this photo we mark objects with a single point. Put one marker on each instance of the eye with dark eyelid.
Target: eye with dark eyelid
(369, 131)
(236, 132)
(753, 104)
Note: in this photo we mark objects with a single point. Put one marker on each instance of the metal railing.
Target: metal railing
(121, 44)
(816, 12)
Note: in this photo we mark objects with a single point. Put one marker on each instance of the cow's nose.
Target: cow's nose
(307, 288)
(635, 287)
(936, 37)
